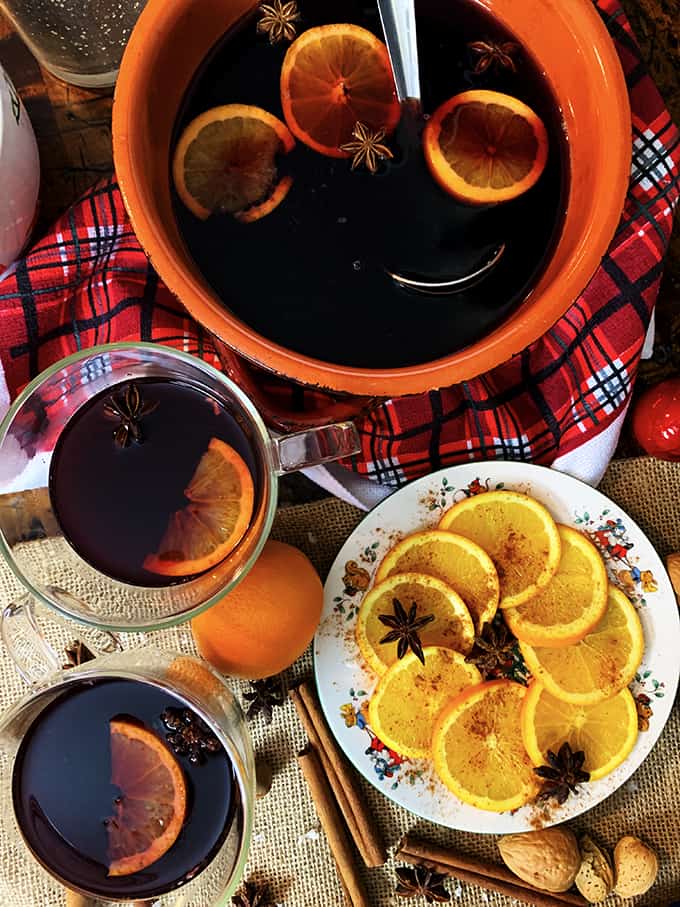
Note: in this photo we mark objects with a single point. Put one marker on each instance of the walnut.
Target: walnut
(548, 859)
(636, 867)
(595, 879)
(673, 567)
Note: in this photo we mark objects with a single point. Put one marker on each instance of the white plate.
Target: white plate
(345, 684)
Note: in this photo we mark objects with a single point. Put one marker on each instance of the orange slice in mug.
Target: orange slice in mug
(149, 814)
(484, 147)
(200, 535)
(226, 162)
(334, 76)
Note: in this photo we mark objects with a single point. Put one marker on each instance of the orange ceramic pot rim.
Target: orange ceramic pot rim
(571, 45)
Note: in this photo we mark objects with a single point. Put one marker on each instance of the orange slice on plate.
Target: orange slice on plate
(452, 626)
(410, 695)
(478, 749)
(572, 603)
(454, 560)
(606, 731)
(150, 813)
(334, 76)
(484, 147)
(517, 532)
(226, 162)
(221, 496)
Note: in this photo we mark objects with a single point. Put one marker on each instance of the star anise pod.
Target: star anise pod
(492, 55)
(278, 20)
(130, 408)
(77, 654)
(422, 882)
(368, 147)
(405, 629)
(264, 696)
(251, 895)
(492, 648)
(563, 774)
(189, 735)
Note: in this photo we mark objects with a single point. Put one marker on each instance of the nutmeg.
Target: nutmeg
(636, 867)
(548, 859)
(595, 878)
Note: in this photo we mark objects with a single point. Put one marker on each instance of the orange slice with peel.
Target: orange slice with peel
(571, 604)
(150, 813)
(517, 532)
(484, 147)
(606, 731)
(453, 559)
(220, 495)
(451, 628)
(334, 76)
(478, 749)
(225, 162)
(409, 697)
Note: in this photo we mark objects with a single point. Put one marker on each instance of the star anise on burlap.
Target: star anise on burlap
(492, 648)
(129, 408)
(563, 774)
(405, 627)
(278, 20)
(492, 55)
(189, 735)
(422, 882)
(77, 654)
(251, 895)
(367, 148)
(264, 696)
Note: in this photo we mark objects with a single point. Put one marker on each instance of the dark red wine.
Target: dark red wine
(113, 502)
(311, 275)
(63, 796)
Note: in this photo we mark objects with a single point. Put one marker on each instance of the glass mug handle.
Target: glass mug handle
(314, 446)
(34, 658)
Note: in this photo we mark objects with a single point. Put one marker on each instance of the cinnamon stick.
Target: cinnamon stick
(492, 876)
(333, 826)
(366, 836)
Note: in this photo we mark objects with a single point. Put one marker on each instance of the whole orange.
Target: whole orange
(267, 621)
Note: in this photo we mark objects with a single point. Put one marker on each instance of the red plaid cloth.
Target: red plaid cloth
(89, 282)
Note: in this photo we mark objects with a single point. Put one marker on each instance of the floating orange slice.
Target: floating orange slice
(149, 814)
(221, 495)
(484, 147)
(334, 76)
(225, 162)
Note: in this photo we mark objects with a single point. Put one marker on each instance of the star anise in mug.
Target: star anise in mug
(492, 55)
(420, 881)
(251, 895)
(405, 627)
(562, 775)
(264, 696)
(492, 648)
(189, 735)
(368, 147)
(278, 20)
(129, 408)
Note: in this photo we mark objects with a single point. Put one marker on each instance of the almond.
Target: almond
(636, 867)
(595, 879)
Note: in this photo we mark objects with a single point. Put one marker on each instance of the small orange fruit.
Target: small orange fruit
(267, 621)
(149, 814)
(220, 495)
(225, 162)
(334, 76)
(484, 147)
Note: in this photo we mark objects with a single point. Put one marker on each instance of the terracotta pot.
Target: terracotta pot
(570, 43)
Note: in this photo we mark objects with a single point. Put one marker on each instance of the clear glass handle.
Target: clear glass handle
(315, 446)
(34, 658)
(398, 19)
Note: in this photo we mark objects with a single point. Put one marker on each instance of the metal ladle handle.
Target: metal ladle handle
(398, 19)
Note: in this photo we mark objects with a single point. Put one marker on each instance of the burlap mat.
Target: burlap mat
(289, 850)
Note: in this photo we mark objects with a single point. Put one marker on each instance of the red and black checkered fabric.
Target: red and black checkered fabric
(89, 282)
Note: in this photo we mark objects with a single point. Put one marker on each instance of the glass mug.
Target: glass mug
(25, 881)
(52, 570)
